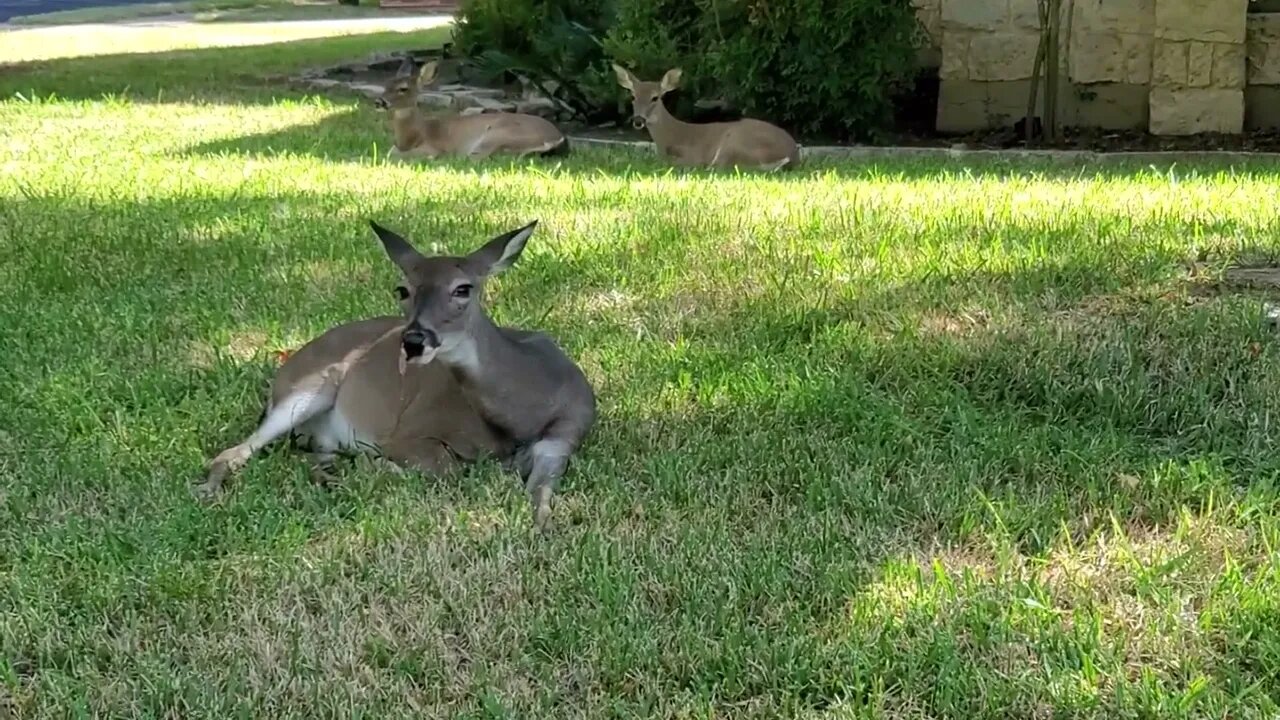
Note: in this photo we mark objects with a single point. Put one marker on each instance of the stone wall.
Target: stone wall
(1262, 92)
(1174, 67)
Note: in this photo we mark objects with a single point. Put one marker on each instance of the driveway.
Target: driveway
(13, 8)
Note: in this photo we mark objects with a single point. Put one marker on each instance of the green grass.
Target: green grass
(893, 440)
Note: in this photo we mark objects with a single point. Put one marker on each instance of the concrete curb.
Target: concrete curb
(871, 152)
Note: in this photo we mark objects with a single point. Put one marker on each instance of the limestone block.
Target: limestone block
(1129, 16)
(955, 55)
(1199, 64)
(1263, 48)
(367, 89)
(1136, 50)
(537, 106)
(1196, 110)
(1169, 64)
(1112, 106)
(962, 106)
(1228, 66)
(1002, 56)
(1203, 20)
(435, 99)
(929, 14)
(1097, 57)
(967, 105)
(1007, 102)
(1262, 107)
(974, 14)
(1024, 15)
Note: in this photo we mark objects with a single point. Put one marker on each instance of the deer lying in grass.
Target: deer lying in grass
(418, 135)
(741, 143)
(441, 386)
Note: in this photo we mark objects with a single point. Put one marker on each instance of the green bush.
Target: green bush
(817, 67)
(557, 41)
(828, 67)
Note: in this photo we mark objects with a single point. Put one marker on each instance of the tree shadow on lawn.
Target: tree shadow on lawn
(763, 452)
(352, 135)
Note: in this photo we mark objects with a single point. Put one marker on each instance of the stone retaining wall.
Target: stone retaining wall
(1174, 67)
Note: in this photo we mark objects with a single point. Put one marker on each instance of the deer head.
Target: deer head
(442, 295)
(646, 96)
(401, 91)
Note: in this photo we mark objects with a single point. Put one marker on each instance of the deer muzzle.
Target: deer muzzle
(418, 346)
(381, 103)
(638, 122)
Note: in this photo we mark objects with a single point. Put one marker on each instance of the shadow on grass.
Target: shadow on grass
(348, 137)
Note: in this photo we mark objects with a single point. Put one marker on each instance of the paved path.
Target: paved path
(13, 8)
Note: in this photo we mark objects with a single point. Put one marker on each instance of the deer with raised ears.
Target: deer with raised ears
(744, 143)
(418, 135)
(441, 386)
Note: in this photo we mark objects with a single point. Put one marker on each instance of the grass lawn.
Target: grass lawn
(900, 440)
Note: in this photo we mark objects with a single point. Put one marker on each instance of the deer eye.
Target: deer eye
(654, 98)
(402, 293)
(462, 292)
(402, 90)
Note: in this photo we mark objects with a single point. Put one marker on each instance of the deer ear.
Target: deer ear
(625, 78)
(671, 80)
(406, 68)
(428, 73)
(501, 252)
(398, 249)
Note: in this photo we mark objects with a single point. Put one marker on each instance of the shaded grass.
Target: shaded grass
(892, 440)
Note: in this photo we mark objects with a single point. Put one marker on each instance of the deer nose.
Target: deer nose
(381, 103)
(419, 338)
(638, 122)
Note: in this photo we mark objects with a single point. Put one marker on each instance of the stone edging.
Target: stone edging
(874, 151)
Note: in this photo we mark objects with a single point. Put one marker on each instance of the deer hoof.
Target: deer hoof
(211, 488)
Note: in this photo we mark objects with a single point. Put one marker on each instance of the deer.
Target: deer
(432, 389)
(417, 135)
(746, 142)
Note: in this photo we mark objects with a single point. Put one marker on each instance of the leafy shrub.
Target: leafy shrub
(824, 67)
(555, 43)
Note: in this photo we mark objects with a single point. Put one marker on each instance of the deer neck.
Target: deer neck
(409, 127)
(486, 363)
(666, 129)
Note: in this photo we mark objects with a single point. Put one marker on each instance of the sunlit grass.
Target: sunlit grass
(896, 440)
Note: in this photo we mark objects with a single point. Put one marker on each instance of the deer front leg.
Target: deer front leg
(546, 464)
(483, 147)
(300, 406)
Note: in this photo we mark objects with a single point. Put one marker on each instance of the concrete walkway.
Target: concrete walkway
(14, 8)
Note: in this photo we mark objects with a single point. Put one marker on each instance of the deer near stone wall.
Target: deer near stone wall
(418, 135)
(744, 143)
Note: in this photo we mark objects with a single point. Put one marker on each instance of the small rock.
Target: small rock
(484, 103)
(537, 106)
(372, 91)
(471, 111)
(454, 89)
(436, 100)
(1271, 314)
(323, 83)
